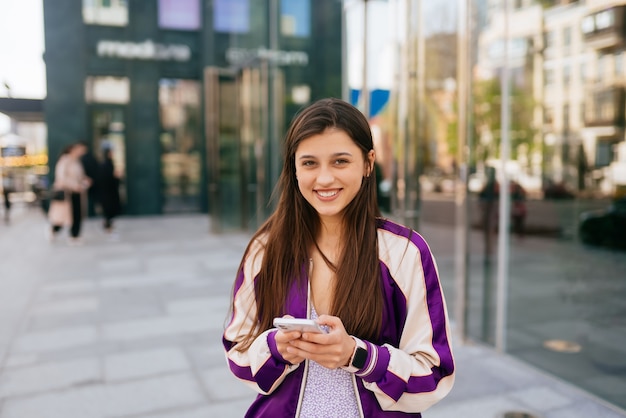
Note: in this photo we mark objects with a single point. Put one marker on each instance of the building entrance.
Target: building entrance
(238, 120)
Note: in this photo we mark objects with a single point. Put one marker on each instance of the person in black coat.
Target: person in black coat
(109, 190)
(91, 167)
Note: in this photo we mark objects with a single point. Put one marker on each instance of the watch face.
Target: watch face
(360, 356)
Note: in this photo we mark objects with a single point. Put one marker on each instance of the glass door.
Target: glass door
(236, 132)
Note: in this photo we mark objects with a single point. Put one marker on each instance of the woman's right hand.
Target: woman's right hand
(283, 340)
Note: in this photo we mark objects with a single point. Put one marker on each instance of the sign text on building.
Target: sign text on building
(241, 56)
(146, 50)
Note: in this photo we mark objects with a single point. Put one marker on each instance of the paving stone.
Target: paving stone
(109, 401)
(541, 398)
(482, 407)
(585, 410)
(66, 288)
(45, 377)
(66, 306)
(120, 265)
(222, 385)
(232, 409)
(20, 360)
(145, 363)
(236, 409)
(206, 354)
(198, 306)
(141, 281)
(56, 339)
(154, 327)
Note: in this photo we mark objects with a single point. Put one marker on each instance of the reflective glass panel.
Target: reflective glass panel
(181, 166)
(105, 12)
(179, 14)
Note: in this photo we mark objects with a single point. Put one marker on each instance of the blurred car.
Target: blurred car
(606, 227)
(557, 191)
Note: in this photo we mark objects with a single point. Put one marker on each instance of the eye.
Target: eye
(341, 161)
(307, 163)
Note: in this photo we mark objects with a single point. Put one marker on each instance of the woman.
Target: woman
(326, 254)
(70, 179)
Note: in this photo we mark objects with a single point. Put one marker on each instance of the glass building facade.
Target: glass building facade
(526, 97)
(194, 96)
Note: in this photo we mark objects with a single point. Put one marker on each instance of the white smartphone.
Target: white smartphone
(298, 324)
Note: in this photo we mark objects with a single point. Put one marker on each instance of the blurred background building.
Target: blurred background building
(193, 95)
(466, 99)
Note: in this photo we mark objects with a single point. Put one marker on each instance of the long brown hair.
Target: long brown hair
(292, 229)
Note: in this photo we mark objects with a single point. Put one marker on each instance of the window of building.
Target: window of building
(548, 115)
(107, 89)
(605, 151)
(619, 65)
(588, 25)
(600, 73)
(604, 103)
(605, 19)
(567, 40)
(179, 14)
(567, 75)
(231, 16)
(583, 71)
(105, 12)
(549, 42)
(295, 18)
(548, 76)
(583, 116)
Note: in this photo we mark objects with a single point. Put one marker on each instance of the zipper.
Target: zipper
(306, 362)
(356, 395)
(355, 387)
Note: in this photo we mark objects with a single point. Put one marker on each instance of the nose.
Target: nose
(325, 176)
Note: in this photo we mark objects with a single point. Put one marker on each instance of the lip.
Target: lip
(327, 198)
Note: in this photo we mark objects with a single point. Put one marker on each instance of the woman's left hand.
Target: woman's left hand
(332, 350)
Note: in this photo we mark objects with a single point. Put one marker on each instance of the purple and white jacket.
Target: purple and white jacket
(409, 368)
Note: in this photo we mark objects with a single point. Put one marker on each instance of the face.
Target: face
(79, 150)
(330, 169)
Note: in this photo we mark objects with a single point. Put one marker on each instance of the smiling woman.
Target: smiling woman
(326, 254)
(330, 169)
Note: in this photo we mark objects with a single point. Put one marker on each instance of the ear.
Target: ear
(369, 167)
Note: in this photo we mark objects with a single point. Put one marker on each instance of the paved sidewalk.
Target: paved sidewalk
(132, 328)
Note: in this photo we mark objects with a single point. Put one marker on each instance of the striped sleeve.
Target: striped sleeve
(420, 371)
(261, 366)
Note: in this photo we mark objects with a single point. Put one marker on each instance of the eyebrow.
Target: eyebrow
(337, 154)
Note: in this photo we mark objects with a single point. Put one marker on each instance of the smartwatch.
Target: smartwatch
(359, 358)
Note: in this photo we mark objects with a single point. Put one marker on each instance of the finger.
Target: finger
(332, 322)
(284, 337)
(293, 358)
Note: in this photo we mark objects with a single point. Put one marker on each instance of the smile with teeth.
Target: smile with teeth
(327, 193)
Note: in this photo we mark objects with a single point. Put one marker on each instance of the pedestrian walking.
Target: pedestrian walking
(109, 190)
(488, 200)
(70, 184)
(518, 208)
(8, 187)
(372, 286)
